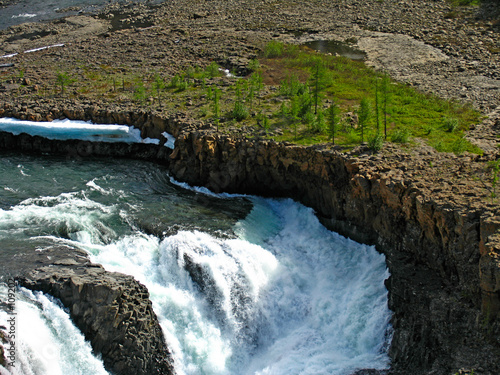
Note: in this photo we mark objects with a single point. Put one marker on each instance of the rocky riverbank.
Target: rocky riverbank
(432, 214)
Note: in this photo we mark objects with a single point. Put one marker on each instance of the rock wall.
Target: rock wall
(443, 258)
(80, 149)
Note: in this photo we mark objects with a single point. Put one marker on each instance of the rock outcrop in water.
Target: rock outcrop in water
(112, 310)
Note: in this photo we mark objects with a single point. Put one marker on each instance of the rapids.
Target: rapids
(241, 284)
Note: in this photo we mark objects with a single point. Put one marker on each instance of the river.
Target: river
(44, 10)
(241, 284)
(21, 11)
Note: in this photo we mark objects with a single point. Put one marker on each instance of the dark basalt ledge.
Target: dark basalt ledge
(444, 287)
(112, 310)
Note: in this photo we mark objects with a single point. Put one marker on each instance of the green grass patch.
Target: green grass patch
(398, 111)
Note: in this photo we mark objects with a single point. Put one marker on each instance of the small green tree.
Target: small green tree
(376, 142)
(295, 112)
(251, 96)
(63, 79)
(263, 120)
(240, 112)
(319, 123)
(364, 114)
(333, 112)
(385, 100)
(253, 65)
(140, 91)
(189, 74)
(319, 80)
(158, 86)
(305, 103)
(212, 70)
(377, 118)
(257, 81)
(274, 49)
(216, 106)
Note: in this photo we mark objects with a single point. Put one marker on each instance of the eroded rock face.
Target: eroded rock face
(112, 310)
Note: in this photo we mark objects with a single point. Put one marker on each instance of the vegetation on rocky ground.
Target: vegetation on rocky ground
(290, 93)
(465, 2)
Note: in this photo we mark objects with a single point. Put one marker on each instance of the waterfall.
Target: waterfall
(241, 285)
(46, 341)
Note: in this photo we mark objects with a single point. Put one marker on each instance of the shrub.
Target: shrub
(319, 123)
(175, 81)
(182, 86)
(212, 70)
(376, 142)
(450, 124)
(364, 114)
(274, 49)
(63, 79)
(253, 65)
(309, 118)
(240, 112)
(291, 86)
(401, 136)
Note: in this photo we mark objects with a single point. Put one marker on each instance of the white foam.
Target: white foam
(203, 190)
(286, 296)
(47, 341)
(313, 302)
(79, 130)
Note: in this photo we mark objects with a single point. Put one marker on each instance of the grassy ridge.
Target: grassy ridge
(291, 94)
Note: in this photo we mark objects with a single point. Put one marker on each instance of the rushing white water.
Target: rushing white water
(278, 294)
(287, 296)
(79, 130)
(46, 340)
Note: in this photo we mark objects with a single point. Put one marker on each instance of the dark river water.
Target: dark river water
(42, 10)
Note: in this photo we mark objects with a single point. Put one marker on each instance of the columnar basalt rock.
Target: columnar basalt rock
(112, 310)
